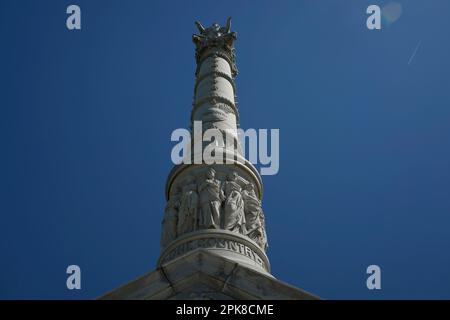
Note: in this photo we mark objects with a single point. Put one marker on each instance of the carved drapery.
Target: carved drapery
(206, 200)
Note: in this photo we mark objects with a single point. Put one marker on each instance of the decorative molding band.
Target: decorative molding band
(213, 100)
(218, 241)
(229, 57)
(215, 74)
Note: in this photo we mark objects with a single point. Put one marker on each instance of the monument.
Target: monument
(213, 238)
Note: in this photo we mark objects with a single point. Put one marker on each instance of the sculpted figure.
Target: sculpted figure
(263, 239)
(254, 215)
(213, 33)
(234, 206)
(211, 197)
(187, 217)
(170, 220)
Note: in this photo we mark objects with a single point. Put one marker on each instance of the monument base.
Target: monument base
(203, 274)
(230, 245)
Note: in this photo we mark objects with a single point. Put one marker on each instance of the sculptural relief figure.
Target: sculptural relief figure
(170, 220)
(254, 215)
(211, 197)
(263, 239)
(234, 217)
(187, 216)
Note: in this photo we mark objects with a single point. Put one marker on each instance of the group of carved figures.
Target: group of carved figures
(213, 204)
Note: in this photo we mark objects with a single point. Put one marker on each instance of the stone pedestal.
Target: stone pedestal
(202, 275)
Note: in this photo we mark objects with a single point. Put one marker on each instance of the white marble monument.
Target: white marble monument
(213, 239)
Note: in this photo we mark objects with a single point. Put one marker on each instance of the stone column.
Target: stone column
(217, 206)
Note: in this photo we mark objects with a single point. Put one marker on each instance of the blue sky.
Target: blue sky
(85, 128)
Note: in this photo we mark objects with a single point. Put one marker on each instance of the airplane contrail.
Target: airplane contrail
(414, 53)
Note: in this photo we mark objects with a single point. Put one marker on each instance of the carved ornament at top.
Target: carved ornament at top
(215, 36)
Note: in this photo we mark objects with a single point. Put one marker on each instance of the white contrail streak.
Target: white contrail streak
(414, 53)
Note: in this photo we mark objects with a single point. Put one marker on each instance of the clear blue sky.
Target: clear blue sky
(85, 128)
